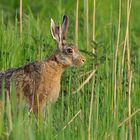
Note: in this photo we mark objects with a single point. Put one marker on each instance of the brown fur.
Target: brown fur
(38, 83)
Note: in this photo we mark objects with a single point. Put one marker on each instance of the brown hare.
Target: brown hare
(38, 83)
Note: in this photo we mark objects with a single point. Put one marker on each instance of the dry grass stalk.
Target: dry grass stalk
(70, 122)
(116, 57)
(9, 113)
(129, 106)
(93, 25)
(129, 3)
(130, 117)
(85, 74)
(20, 17)
(91, 108)
(93, 83)
(85, 82)
(87, 29)
(76, 23)
(126, 44)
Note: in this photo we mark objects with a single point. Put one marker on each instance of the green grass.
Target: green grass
(68, 118)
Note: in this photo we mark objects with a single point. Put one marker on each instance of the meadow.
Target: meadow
(98, 101)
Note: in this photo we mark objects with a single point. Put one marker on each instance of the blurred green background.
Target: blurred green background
(36, 43)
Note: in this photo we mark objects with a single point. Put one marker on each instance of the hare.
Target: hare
(38, 83)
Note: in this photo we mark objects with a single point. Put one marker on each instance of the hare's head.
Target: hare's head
(67, 54)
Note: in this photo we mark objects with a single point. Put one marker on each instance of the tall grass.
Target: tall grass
(20, 16)
(98, 101)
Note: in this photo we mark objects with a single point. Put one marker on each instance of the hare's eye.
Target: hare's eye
(69, 50)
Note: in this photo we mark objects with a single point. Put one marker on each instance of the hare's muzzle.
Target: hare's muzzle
(80, 60)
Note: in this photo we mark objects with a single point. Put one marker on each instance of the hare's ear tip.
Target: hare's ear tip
(52, 23)
(65, 17)
(52, 20)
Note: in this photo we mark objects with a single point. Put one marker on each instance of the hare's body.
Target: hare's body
(38, 83)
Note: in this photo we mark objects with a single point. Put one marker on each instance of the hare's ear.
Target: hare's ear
(54, 31)
(64, 26)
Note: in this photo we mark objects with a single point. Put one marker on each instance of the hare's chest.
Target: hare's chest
(51, 78)
(53, 92)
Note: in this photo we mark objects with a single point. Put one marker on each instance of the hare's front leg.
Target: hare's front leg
(38, 104)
